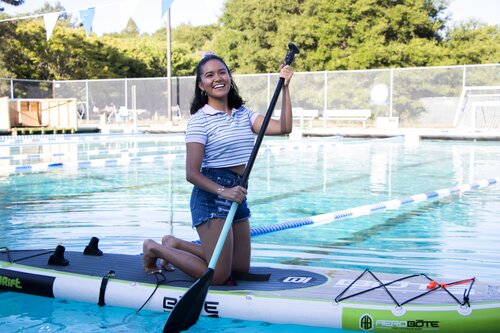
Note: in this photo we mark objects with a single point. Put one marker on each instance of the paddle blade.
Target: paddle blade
(187, 311)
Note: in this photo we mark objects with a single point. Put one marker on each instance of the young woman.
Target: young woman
(219, 141)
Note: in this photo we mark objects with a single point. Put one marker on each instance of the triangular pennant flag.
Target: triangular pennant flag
(50, 21)
(165, 5)
(126, 10)
(87, 17)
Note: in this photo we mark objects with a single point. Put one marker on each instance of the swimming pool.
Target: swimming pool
(125, 188)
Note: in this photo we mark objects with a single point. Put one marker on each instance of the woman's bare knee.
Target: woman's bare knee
(221, 275)
(169, 240)
(147, 245)
(220, 279)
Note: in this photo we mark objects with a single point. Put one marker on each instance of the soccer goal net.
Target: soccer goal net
(479, 108)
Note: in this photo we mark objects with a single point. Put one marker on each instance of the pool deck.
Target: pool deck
(357, 132)
(422, 133)
(352, 132)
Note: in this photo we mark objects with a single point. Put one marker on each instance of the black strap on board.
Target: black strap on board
(102, 290)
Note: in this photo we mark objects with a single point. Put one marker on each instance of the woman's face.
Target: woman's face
(215, 79)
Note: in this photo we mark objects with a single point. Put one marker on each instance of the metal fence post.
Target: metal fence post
(391, 92)
(325, 97)
(126, 94)
(464, 75)
(134, 106)
(268, 88)
(87, 109)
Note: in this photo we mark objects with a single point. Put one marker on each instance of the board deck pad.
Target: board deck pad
(129, 268)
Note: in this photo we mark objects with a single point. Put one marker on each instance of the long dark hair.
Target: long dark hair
(234, 99)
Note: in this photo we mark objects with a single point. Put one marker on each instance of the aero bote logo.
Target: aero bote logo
(366, 322)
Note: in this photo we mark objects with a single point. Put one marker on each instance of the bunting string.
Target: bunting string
(87, 15)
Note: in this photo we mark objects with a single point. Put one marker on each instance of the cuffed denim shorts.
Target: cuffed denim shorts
(205, 205)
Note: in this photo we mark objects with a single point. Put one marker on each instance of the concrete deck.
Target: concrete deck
(352, 132)
(422, 133)
(357, 132)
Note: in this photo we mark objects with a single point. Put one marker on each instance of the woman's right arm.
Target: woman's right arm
(194, 158)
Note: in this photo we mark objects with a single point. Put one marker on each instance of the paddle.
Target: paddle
(187, 310)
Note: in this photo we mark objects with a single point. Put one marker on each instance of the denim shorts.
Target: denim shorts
(205, 205)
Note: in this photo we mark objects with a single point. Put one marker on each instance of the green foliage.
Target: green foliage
(131, 29)
(340, 34)
(67, 55)
(473, 43)
(251, 36)
(151, 51)
(197, 38)
(4, 72)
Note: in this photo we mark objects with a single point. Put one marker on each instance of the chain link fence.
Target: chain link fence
(430, 97)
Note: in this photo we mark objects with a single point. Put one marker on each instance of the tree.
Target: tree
(69, 54)
(4, 72)
(152, 52)
(131, 29)
(332, 34)
(473, 42)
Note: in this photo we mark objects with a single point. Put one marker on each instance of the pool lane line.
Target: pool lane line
(402, 217)
(85, 164)
(124, 150)
(15, 157)
(95, 152)
(322, 219)
(14, 141)
(126, 160)
(56, 138)
(30, 140)
(274, 146)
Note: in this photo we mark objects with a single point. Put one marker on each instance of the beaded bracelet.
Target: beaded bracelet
(220, 190)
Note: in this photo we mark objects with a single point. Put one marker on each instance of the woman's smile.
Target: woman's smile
(215, 79)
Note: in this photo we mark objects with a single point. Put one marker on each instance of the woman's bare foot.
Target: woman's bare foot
(148, 261)
(149, 265)
(168, 241)
(168, 267)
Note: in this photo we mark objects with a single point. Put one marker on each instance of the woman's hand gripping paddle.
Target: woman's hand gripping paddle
(187, 310)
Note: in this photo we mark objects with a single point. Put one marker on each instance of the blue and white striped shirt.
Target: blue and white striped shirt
(228, 139)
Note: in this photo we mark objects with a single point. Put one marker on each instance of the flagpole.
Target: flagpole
(169, 71)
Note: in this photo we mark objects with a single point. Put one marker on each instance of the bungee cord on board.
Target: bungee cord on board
(432, 287)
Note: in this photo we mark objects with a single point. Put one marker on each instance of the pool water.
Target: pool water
(133, 187)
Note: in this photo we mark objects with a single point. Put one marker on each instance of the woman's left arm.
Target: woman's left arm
(285, 123)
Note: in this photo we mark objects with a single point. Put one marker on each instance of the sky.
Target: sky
(147, 13)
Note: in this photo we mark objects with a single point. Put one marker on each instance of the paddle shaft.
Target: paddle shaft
(246, 174)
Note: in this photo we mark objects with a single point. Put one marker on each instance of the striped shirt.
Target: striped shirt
(228, 140)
